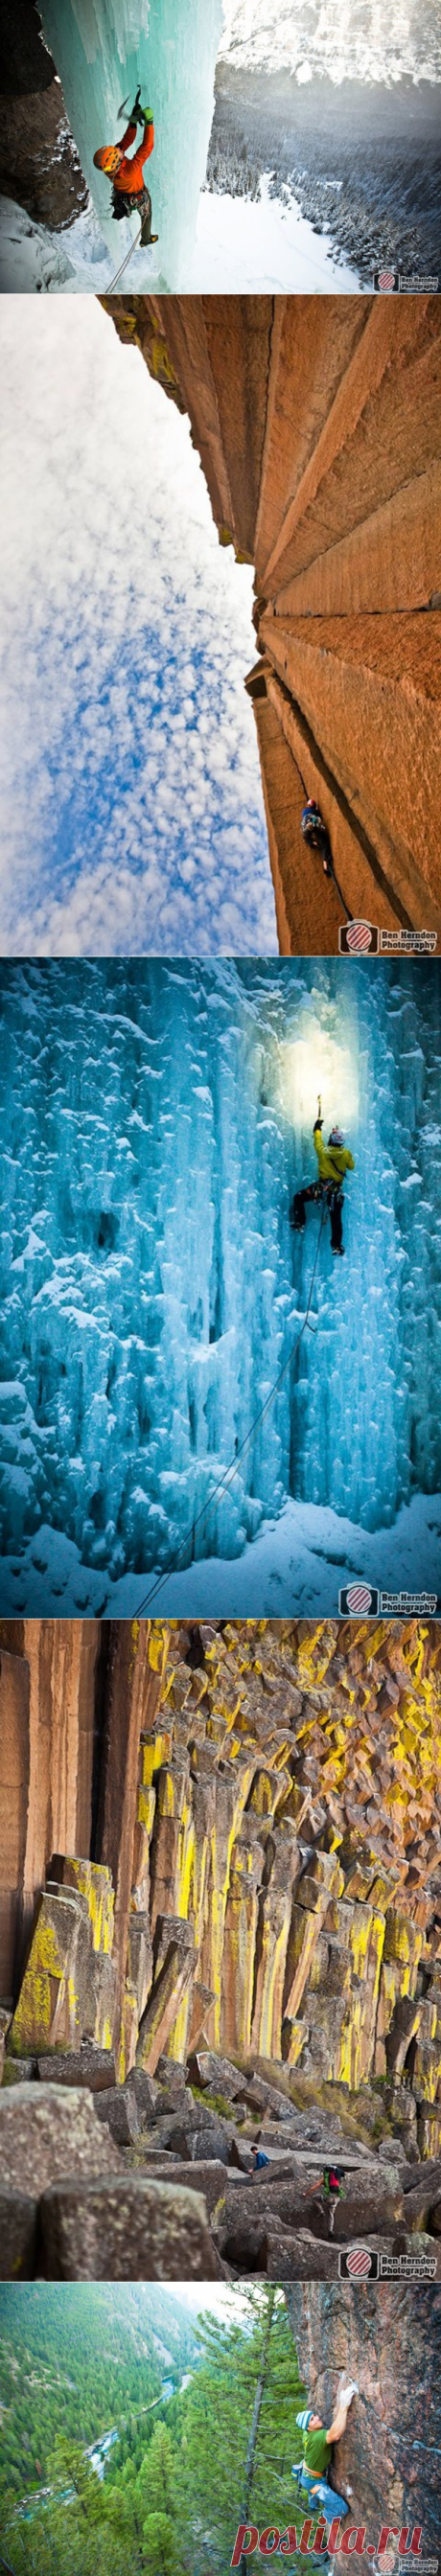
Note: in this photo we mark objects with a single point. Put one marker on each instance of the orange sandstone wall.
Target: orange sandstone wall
(317, 420)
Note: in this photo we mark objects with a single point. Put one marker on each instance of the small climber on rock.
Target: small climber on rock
(130, 194)
(317, 2444)
(315, 833)
(334, 1160)
(331, 2183)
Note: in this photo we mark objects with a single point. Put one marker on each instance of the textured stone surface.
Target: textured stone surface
(57, 1662)
(388, 2338)
(18, 2234)
(39, 164)
(14, 1799)
(173, 1978)
(202, 2174)
(306, 2258)
(370, 688)
(45, 2133)
(375, 2204)
(126, 2230)
(118, 2111)
(49, 2010)
(317, 423)
(92, 2067)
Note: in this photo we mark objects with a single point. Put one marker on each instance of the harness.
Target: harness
(130, 201)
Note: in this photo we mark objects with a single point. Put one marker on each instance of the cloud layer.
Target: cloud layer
(132, 810)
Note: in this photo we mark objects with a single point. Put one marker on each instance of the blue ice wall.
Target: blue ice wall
(156, 1118)
(102, 50)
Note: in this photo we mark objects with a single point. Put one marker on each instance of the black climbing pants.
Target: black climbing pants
(334, 1196)
(335, 1210)
(138, 204)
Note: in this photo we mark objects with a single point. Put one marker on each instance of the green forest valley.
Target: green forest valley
(137, 2433)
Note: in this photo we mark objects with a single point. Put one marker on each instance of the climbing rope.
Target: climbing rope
(330, 872)
(110, 290)
(231, 1471)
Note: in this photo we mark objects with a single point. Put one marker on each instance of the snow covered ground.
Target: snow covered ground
(266, 247)
(298, 1565)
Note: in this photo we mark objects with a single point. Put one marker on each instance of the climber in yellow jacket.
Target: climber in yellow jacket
(334, 1160)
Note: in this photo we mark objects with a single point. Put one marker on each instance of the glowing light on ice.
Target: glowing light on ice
(317, 1063)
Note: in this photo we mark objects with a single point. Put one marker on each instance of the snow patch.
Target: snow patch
(265, 246)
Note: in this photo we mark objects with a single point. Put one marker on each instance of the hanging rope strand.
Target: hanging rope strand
(231, 1471)
(110, 290)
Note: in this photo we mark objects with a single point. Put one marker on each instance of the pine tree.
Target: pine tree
(240, 2434)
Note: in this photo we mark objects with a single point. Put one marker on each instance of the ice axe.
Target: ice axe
(136, 110)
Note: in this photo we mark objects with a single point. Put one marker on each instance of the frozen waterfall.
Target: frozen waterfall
(102, 50)
(156, 1119)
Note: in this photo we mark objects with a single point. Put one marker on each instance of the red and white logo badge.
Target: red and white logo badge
(386, 281)
(358, 936)
(359, 1598)
(359, 2263)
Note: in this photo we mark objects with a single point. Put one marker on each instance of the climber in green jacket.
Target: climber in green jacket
(333, 1160)
(316, 2449)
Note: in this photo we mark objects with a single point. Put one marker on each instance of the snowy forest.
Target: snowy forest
(79, 2364)
(157, 1120)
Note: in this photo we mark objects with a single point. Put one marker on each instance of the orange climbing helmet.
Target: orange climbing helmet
(108, 159)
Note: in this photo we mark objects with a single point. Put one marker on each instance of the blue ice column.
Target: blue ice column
(102, 50)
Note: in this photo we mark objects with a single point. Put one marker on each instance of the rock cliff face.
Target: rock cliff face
(39, 165)
(389, 2341)
(317, 423)
(261, 1807)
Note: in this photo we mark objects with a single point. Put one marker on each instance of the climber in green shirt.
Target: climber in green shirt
(316, 2449)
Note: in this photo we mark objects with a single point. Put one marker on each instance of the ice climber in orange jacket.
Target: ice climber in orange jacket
(129, 188)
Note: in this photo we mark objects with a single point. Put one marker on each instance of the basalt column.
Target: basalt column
(249, 1816)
